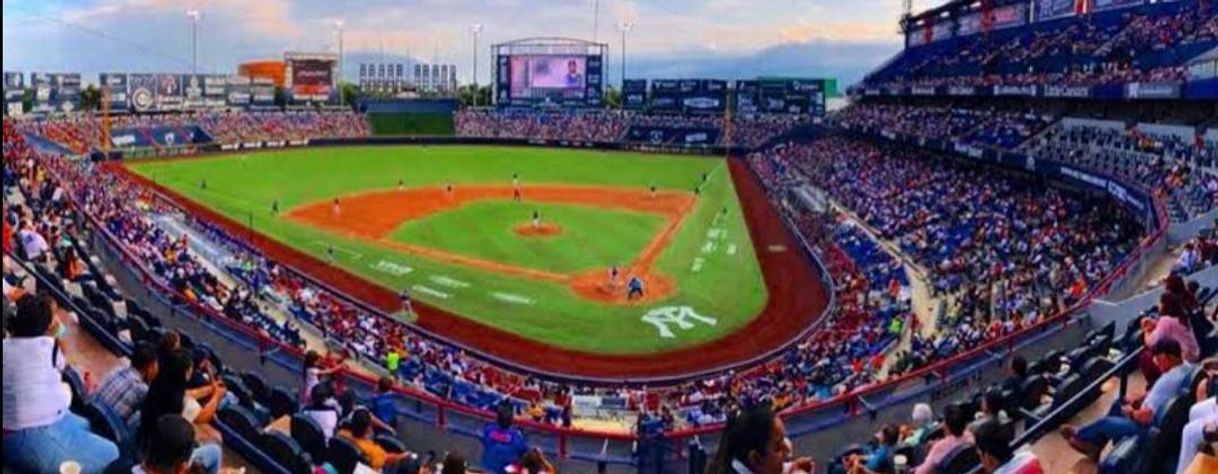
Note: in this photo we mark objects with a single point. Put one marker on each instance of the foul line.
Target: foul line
(355, 255)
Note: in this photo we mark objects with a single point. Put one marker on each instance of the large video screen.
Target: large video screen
(548, 76)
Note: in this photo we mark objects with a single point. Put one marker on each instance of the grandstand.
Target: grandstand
(1013, 222)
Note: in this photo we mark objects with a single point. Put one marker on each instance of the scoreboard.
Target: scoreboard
(713, 96)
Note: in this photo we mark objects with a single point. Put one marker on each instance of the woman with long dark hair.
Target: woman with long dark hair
(167, 394)
(755, 442)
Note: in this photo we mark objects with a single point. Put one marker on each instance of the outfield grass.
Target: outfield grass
(711, 256)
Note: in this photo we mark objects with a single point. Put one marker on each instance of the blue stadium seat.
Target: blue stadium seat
(344, 455)
(308, 433)
(284, 450)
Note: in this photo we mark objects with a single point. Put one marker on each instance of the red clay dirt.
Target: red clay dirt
(797, 300)
(372, 216)
(541, 230)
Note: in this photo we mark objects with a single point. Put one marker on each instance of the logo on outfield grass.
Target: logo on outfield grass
(683, 316)
(392, 268)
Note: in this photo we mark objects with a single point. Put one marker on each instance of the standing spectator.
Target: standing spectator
(39, 431)
(383, 404)
(123, 391)
(312, 374)
(502, 445)
(323, 409)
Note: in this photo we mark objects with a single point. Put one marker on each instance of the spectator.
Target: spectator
(1202, 418)
(923, 422)
(1129, 417)
(879, 460)
(382, 403)
(123, 391)
(994, 449)
(1017, 372)
(534, 462)
(991, 410)
(39, 431)
(360, 432)
(168, 395)
(313, 372)
(170, 449)
(502, 445)
(454, 463)
(955, 419)
(323, 409)
(755, 441)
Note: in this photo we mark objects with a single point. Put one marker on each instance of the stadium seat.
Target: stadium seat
(256, 386)
(76, 384)
(282, 402)
(308, 433)
(344, 455)
(1122, 458)
(284, 450)
(390, 443)
(104, 422)
(961, 460)
(241, 421)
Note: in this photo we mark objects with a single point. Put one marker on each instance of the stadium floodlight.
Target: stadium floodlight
(477, 31)
(194, 39)
(625, 27)
(338, 25)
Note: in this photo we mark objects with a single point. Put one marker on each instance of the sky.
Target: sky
(841, 38)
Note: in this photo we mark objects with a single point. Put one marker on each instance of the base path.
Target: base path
(797, 300)
(373, 216)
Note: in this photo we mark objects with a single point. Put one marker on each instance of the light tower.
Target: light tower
(477, 29)
(194, 40)
(625, 27)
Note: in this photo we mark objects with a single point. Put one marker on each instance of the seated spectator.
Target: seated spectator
(39, 431)
(755, 442)
(360, 432)
(454, 463)
(170, 449)
(534, 462)
(502, 445)
(323, 409)
(1172, 324)
(1202, 418)
(923, 420)
(955, 419)
(994, 448)
(880, 459)
(167, 394)
(990, 409)
(1129, 417)
(124, 389)
(382, 402)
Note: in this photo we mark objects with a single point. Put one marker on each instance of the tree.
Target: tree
(350, 93)
(613, 98)
(281, 97)
(90, 98)
(466, 95)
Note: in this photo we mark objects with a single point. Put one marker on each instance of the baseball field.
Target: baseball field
(534, 246)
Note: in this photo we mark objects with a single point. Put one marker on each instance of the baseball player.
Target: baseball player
(614, 272)
(275, 207)
(401, 185)
(405, 297)
(336, 208)
(536, 219)
(516, 194)
(634, 289)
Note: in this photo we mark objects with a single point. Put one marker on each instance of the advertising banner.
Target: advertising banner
(634, 94)
(14, 92)
(115, 87)
(142, 91)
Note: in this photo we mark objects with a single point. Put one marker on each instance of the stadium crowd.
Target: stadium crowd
(83, 134)
(961, 225)
(1149, 44)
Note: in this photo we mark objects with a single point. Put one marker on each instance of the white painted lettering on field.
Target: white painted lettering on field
(449, 282)
(392, 268)
(431, 291)
(697, 266)
(512, 298)
(683, 317)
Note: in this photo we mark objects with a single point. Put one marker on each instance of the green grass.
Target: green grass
(727, 284)
(484, 230)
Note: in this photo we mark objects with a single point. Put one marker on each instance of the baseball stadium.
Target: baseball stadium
(294, 236)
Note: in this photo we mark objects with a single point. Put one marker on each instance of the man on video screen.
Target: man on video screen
(574, 78)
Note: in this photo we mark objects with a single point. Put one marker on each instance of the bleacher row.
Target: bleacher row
(1146, 43)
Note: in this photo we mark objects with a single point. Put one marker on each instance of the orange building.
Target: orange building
(273, 70)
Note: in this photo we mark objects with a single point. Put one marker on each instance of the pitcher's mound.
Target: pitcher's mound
(539, 230)
(595, 286)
